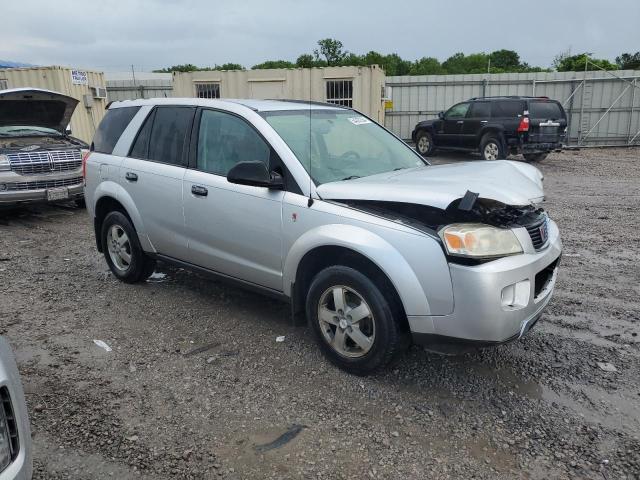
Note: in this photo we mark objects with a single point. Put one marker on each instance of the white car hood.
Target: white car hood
(509, 182)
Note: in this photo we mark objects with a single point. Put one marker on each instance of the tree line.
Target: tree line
(331, 52)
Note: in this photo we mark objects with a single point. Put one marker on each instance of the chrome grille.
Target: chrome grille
(42, 184)
(7, 416)
(31, 163)
(539, 233)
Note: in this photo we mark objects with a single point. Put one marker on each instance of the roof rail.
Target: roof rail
(506, 96)
(309, 102)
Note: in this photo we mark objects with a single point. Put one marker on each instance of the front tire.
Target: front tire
(535, 157)
(492, 147)
(424, 144)
(353, 321)
(122, 249)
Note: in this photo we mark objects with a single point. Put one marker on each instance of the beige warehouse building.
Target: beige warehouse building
(359, 87)
(88, 87)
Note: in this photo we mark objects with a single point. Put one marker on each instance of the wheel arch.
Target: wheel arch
(112, 197)
(356, 247)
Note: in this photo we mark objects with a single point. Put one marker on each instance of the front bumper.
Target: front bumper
(33, 188)
(480, 314)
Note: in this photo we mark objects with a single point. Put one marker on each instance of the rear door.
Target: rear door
(547, 121)
(152, 175)
(477, 116)
(451, 126)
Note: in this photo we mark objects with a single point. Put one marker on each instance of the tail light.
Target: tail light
(524, 125)
(85, 157)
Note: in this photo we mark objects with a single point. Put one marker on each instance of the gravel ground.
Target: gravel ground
(197, 387)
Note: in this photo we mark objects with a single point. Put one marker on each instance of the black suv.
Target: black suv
(496, 127)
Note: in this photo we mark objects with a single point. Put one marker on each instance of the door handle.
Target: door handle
(484, 121)
(132, 177)
(199, 191)
(459, 122)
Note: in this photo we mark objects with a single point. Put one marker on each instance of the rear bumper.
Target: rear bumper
(540, 147)
(482, 313)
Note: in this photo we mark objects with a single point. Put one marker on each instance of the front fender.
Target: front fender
(366, 243)
(114, 190)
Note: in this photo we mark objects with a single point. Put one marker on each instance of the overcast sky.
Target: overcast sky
(112, 35)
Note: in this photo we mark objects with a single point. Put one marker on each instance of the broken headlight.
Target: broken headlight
(478, 240)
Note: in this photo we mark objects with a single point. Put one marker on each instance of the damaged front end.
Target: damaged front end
(467, 210)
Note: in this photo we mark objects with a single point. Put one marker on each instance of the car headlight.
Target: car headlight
(5, 165)
(478, 240)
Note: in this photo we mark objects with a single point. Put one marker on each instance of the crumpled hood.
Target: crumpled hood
(36, 107)
(509, 182)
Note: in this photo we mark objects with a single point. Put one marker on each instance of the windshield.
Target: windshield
(340, 145)
(26, 131)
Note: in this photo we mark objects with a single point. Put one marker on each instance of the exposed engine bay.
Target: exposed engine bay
(40, 142)
(431, 219)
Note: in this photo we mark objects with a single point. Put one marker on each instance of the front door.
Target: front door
(451, 126)
(232, 229)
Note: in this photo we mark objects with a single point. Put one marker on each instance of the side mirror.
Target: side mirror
(441, 115)
(255, 174)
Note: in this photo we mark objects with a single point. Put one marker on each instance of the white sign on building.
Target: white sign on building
(78, 77)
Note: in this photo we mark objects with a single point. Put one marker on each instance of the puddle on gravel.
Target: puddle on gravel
(618, 410)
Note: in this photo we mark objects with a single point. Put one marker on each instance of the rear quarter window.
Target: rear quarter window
(545, 110)
(507, 109)
(111, 127)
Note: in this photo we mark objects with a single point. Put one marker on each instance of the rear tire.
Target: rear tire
(535, 157)
(353, 321)
(424, 144)
(492, 147)
(122, 249)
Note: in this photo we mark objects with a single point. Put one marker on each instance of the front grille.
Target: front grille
(539, 233)
(30, 163)
(10, 419)
(43, 184)
(543, 277)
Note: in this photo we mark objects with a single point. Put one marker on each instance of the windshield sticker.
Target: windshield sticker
(359, 120)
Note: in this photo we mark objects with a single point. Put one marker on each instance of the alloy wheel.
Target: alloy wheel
(119, 247)
(491, 151)
(346, 321)
(424, 144)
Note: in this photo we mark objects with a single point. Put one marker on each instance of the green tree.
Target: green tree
(228, 66)
(426, 66)
(331, 50)
(628, 61)
(308, 61)
(461, 63)
(274, 64)
(565, 62)
(352, 60)
(505, 61)
(187, 67)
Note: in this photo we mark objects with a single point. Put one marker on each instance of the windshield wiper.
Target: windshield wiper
(351, 177)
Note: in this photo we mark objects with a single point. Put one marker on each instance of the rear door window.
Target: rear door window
(507, 109)
(140, 148)
(111, 127)
(545, 110)
(479, 110)
(170, 135)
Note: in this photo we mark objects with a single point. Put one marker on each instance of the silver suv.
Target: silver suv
(39, 161)
(321, 206)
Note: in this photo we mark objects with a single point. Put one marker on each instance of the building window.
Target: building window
(207, 90)
(340, 92)
(3, 84)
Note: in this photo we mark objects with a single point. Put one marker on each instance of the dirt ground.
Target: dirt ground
(197, 387)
